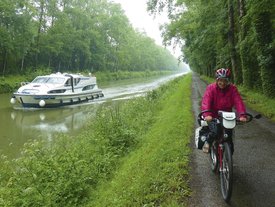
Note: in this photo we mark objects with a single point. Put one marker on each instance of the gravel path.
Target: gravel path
(254, 164)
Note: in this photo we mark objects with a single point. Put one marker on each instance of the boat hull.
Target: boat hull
(55, 100)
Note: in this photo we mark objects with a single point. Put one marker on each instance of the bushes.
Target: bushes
(11, 83)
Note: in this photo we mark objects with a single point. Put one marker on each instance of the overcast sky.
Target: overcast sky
(136, 12)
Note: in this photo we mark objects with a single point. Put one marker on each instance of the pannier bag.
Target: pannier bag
(200, 136)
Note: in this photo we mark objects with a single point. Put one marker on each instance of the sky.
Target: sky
(136, 12)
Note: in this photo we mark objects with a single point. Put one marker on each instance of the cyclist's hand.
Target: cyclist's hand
(243, 119)
(208, 118)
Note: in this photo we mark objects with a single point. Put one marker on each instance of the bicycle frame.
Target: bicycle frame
(220, 146)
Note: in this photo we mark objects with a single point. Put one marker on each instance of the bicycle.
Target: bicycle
(220, 150)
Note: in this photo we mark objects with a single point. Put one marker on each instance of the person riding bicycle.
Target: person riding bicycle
(224, 96)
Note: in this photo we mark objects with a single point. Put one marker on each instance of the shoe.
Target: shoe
(206, 147)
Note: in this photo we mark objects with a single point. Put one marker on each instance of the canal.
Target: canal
(18, 125)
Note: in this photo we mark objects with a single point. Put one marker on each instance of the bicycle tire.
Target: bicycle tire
(226, 173)
(214, 157)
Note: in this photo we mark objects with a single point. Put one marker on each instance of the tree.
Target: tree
(213, 38)
(266, 53)
(72, 35)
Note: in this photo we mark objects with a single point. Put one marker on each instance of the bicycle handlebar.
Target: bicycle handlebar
(249, 119)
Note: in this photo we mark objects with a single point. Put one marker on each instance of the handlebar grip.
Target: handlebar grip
(205, 111)
(249, 119)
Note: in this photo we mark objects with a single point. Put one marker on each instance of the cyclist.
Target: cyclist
(221, 95)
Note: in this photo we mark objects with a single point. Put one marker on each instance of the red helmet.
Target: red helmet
(223, 73)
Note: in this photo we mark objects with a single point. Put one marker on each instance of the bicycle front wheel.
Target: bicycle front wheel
(214, 157)
(226, 173)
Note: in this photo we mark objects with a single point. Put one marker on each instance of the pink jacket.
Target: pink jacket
(216, 99)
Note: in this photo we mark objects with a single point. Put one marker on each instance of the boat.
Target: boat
(56, 90)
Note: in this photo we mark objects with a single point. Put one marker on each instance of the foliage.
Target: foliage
(69, 170)
(68, 35)
(236, 34)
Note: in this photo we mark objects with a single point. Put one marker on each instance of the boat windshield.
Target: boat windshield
(51, 80)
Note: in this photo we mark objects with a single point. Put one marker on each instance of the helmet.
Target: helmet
(223, 73)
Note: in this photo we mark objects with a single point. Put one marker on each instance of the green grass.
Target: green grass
(259, 102)
(156, 173)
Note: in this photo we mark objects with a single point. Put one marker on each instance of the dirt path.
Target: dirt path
(254, 165)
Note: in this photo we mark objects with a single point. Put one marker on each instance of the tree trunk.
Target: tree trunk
(242, 12)
(22, 63)
(231, 40)
(41, 15)
(49, 62)
(4, 63)
(246, 75)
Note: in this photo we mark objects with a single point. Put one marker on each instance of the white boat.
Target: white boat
(55, 90)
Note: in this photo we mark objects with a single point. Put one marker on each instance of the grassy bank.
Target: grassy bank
(156, 173)
(134, 154)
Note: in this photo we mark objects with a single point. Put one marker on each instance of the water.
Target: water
(18, 125)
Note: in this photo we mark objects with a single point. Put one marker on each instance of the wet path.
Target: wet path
(254, 165)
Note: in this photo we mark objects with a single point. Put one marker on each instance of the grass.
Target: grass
(156, 173)
(259, 102)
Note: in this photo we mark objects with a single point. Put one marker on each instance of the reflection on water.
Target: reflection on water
(19, 126)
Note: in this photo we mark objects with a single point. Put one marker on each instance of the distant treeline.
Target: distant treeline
(238, 34)
(69, 35)
(11, 83)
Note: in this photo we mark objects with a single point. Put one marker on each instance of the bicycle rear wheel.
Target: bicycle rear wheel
(226, 173)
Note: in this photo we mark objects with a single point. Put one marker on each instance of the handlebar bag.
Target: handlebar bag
(228, 119)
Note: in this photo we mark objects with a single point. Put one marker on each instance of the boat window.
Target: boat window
(40, 80)
(76, 81)
(89, 87)
(68, 82)
(55, 80)
(57, 91)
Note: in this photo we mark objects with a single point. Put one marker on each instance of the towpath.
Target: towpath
(254, 164)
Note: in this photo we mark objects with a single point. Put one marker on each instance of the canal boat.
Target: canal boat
(56, 90)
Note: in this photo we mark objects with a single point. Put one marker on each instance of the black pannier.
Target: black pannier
(200, 136)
